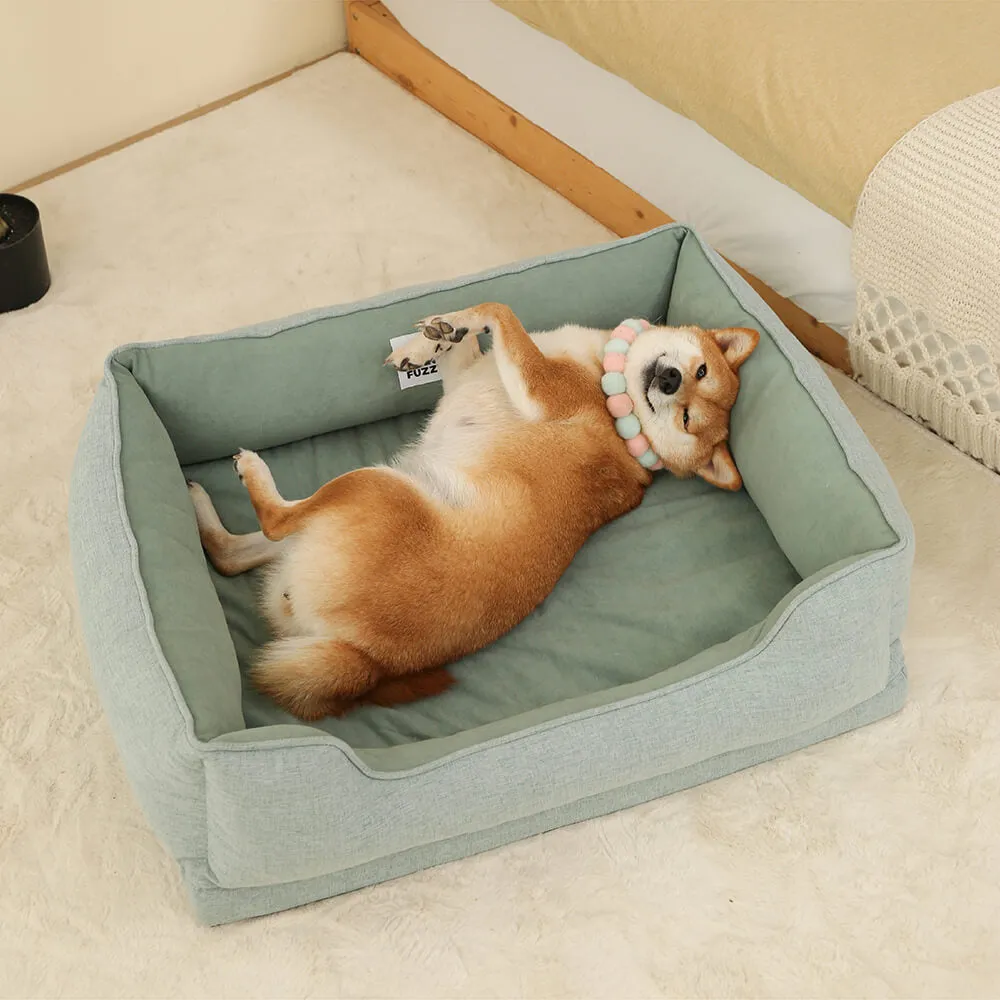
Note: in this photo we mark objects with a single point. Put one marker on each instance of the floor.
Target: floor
(867, 866)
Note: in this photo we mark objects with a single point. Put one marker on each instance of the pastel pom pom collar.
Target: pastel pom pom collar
(619, 402)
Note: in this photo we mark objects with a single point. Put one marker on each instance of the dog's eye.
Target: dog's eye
(701, 372)
(686, 418)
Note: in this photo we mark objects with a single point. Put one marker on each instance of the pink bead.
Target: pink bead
(619, 405)
(637, 446)
(625, 333)
(644, 324)
(657, 467)
(614, 362)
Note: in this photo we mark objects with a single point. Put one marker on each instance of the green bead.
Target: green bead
(628, 426)
(648, 458)
(616, 346)
(633, 324)
(613, 383)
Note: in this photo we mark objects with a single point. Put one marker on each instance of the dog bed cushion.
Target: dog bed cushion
(703, 632)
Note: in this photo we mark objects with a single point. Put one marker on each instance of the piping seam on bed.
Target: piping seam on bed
(271, 328)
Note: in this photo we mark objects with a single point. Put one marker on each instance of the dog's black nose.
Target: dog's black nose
(669, 381)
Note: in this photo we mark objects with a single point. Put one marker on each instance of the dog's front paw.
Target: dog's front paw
(434, 335)
(439, 328)
(414, 353)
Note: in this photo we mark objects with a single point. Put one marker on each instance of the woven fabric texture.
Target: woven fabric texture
(926, 254)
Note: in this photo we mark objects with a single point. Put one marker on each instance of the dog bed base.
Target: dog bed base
(263, 812)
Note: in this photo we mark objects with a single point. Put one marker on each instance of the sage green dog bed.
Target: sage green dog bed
(702, 633)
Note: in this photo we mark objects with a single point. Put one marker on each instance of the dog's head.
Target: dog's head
(684, 381)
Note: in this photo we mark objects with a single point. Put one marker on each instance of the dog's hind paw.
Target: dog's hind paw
(246, 463)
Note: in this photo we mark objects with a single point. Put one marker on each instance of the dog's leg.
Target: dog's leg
(361, 489)
(278, 517)
(412, 687)
(230, 554)
(539, 387)
(455, 361)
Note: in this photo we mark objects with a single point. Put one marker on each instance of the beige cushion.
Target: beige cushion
(812, 93)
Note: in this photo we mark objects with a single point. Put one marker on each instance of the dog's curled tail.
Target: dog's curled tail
(314, 676)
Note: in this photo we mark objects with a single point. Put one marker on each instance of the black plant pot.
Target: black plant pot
(24, 268)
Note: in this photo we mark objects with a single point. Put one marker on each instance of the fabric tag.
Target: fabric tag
(416, 376)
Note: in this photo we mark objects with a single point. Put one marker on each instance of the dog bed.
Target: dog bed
(702, 633)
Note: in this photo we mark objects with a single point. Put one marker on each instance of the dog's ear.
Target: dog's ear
(737, 343)
(720, 470)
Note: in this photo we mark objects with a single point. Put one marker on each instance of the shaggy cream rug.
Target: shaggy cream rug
(866, 866)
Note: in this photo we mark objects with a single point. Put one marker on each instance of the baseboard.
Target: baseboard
(203, 109)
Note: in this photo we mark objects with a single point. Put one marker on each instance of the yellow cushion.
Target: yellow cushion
(812, 93)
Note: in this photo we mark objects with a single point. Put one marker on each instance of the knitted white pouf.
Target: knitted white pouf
(926, 254)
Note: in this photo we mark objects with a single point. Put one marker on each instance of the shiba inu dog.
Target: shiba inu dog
(532, 447)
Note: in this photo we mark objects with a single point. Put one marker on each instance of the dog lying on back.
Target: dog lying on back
(531, 448)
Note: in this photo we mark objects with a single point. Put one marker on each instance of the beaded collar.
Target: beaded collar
(619, 402)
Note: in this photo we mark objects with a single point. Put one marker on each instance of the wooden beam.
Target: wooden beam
(375, 35)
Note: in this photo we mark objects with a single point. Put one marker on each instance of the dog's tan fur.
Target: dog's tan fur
(386, 575)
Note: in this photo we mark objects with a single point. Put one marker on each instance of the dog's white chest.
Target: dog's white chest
(459, 432)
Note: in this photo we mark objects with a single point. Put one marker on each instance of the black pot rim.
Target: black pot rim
(32, 208)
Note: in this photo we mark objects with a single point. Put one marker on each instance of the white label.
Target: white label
(415, 376)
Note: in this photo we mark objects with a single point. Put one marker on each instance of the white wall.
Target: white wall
(78, 75)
